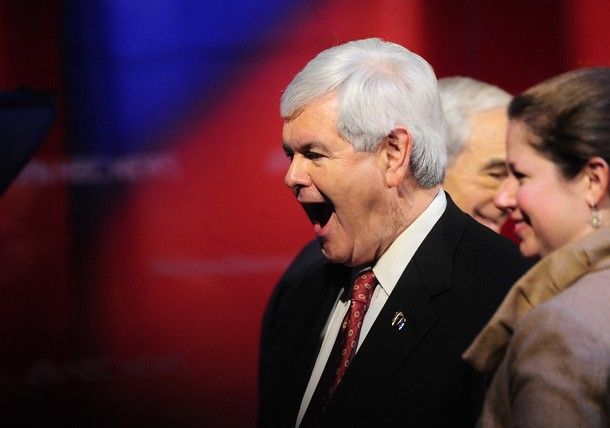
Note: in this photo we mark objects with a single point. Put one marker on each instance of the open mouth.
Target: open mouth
(319, 212)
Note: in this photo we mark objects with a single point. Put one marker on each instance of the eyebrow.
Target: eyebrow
(304, 148)
(495, 163)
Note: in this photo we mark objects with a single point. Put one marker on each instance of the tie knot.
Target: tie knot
(364, 284)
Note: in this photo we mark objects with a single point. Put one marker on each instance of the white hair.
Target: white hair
(379, 86)
(462, 97)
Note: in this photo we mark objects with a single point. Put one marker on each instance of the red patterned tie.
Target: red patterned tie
(343, 349)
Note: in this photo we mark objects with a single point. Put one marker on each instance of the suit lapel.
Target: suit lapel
(316, 300)
(386, 347)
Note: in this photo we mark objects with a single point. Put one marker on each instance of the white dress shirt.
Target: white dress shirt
(387, 270)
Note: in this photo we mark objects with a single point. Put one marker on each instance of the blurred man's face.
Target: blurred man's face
(475, 175)
(340, 189)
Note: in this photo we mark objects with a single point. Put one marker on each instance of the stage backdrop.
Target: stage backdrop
(139, 247)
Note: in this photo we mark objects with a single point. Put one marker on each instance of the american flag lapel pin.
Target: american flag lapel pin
(399, 320)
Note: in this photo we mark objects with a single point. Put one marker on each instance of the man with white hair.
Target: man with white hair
(371, 333)
(476, 115)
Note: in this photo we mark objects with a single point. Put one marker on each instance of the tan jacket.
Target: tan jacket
(549, 343)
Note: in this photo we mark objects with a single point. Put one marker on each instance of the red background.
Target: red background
(153, 315)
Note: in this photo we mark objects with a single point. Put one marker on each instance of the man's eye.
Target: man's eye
(498, 175)
(313, 155)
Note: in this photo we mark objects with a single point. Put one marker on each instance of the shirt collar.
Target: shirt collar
(394, 261)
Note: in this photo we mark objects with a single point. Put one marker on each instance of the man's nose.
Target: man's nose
(505, 198)
(297, 176)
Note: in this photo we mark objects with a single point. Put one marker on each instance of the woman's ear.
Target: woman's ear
(597, 173)
(395, 155)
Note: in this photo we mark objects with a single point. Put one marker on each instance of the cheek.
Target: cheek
(528, 200)
(540, 207)
(350, 209)
(488, 191)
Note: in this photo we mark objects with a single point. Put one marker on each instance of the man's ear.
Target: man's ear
(395, 155)
(597, 175)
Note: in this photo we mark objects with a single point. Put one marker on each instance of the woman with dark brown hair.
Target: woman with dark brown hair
(548, 345)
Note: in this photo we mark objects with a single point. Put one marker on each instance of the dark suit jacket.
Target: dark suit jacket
(415, 376)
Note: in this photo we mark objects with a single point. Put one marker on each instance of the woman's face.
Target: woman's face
(547, 209)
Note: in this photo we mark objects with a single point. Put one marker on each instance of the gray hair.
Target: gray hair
(462, 97)
(379, 86)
